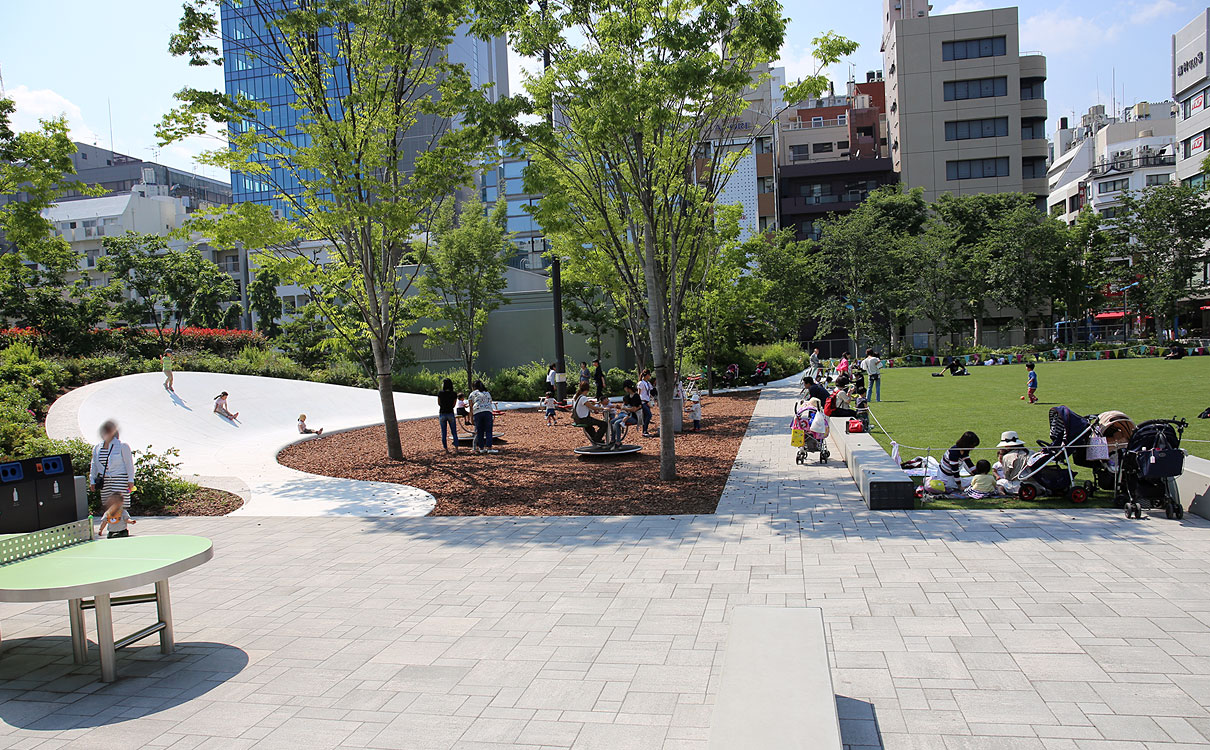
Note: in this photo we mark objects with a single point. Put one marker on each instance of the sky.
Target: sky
(104, 63)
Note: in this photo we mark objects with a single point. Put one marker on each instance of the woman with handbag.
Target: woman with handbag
(112, 465)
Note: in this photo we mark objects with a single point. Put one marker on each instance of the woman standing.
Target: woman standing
(482, 414)
(112, 465)
(446, 398)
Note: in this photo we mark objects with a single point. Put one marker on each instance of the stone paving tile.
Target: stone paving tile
(948, 630)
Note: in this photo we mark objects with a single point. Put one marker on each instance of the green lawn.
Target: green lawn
(927, 412)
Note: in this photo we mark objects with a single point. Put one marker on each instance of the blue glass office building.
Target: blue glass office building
(245, 32)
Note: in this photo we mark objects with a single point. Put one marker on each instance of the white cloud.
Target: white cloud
(961, 6)
(1147, 12)
(1055, 33)
(44, 104)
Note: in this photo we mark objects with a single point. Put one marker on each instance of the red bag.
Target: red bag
(855, 425)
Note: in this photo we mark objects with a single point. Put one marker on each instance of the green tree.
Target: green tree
(34, 258)
(1164, 229)
(1024, 245)
(357, 176)
(590, 313)
(161, 286)
(264, 302)
(464, 279)
(1074, 276)
(632, 91)
(232, 315)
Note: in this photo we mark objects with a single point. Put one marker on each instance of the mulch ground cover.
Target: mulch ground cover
(205, 502)
(536, 473)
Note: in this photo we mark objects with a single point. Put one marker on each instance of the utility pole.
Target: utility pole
(556, 270)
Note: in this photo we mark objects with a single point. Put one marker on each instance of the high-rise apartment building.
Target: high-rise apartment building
(832, 151)
(966, 111)
(246, 34)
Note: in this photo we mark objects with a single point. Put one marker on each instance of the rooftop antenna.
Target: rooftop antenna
(109, 103)
(1, 81)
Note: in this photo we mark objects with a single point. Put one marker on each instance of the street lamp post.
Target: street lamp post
(556, 266)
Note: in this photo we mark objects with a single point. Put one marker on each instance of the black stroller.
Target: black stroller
(1149, 465)
(1049, 471)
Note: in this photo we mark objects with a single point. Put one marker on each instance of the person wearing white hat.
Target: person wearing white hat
(1010, 461)
(694, 407)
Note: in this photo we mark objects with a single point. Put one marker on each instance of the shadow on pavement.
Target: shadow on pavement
(41, 688)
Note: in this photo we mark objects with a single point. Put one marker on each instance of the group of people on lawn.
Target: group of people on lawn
(984, 479)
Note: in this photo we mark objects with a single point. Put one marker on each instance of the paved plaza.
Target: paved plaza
(949, 630)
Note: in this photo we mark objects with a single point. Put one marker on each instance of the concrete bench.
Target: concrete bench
(883, 484)
(776, 687)
(1193, 486)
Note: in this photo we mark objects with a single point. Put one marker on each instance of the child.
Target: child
(304, 430)
(983, 484)
(549, 404)
(463, 409)
(166, 364)
(115, 518)
(220, 407)
(1031, 384)
(694, 407)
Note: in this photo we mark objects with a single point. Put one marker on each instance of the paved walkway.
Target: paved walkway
(1037, 629)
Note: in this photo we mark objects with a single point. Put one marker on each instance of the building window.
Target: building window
(817, 122)
(821, 148)
(842, 145)
(1033, 88)
(1113, 186)
(1109, 213)
(1196, 181)
(801, 152)
(1033, 167)
(764, 185)
(976, 169)
(975, 88)
(1158, 179)
(962, 130)
(1032, 128)
(764, 145)
(1057, 209)
(967, 49)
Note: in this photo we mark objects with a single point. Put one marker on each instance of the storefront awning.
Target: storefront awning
(1103, 316)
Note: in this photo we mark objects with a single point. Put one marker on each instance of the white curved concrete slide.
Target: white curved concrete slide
(241, 456)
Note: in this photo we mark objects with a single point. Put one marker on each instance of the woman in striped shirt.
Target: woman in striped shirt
(957, 458)
(112, 465)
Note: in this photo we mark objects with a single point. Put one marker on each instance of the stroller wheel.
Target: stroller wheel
(1180, 512)
(1027, 492)
(1089, 487)
(1129, 511)
(1078, 494)
(1138, 510)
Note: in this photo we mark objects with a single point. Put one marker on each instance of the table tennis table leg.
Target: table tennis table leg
(163, 607)
(105, 637)
(79, 631)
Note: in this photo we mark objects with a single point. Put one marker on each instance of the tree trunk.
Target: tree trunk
(662, 350)
(386, 394)
(978, 322)
(709, 360)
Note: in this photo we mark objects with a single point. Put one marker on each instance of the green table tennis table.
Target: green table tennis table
(67, 562)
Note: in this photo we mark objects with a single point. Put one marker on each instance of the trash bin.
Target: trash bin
(56, 489)
(18, 500)
(678, 411)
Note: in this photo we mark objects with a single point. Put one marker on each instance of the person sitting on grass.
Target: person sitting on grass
(954, 367)
(585, 405)
(303, 429)
(983, 484)
(115, 519)
(957, 458)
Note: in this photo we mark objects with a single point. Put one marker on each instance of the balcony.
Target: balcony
(229, 265)
(1127, 165)
(820, 123)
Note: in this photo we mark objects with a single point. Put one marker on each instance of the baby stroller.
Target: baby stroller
(1149, 464)
(761, 375)
(812, 441)
(731, 375)
(1048, 472)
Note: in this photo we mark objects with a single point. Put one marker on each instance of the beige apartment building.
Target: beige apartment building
(966, 109)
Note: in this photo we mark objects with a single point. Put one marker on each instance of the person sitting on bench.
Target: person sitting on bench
(582, 413)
